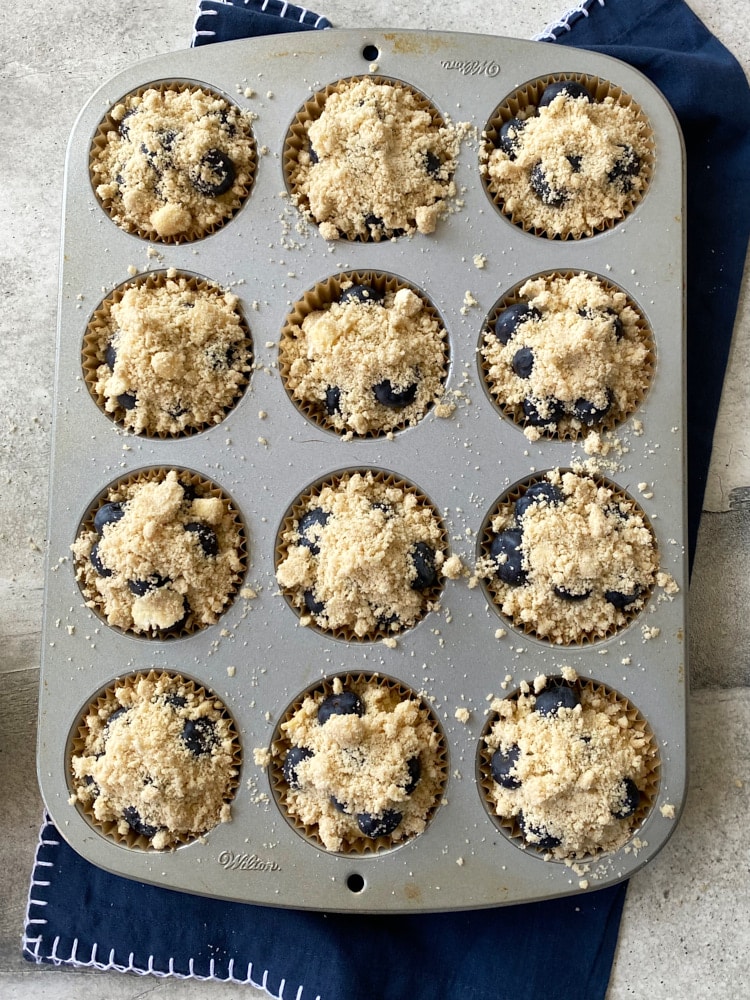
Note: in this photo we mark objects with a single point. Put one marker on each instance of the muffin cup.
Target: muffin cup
(118, 491)
(648, 783)
(104, 704)
(356, 844)
(522, 103)
(567, 427)
(229, 201)
(99, 329)
(320, 297)
(430, 596)
(624, 618)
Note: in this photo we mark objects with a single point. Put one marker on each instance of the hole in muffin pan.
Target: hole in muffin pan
(576, 615)
(569, 770)
(214, 175)
(366, 696)
(228, 536)
(327, 412)
(370, 53)
(98, 357)
(192, 747)
(521, 104)
(366, 622)
(355, 882)
(568, 426)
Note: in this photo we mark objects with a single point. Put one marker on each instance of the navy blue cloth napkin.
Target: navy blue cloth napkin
(560, 949)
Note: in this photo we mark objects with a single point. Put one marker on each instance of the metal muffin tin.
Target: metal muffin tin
(463, 464)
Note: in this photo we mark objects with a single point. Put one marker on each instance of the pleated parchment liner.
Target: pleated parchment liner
(568, 428)
(98, 337)
(231, 538)
(568, 632)
(297, 140)
(287, 535)
(320, 298)
(420, 806)
(522, 104)
(218, 208)
(599, 696)
(210, 783)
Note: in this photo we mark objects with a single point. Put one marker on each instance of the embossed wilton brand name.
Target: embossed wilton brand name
(472, 67)
(246, 863)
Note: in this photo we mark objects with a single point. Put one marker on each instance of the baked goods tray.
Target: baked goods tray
(257, 658)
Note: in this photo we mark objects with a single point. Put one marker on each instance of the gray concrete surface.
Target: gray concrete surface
(686, 929)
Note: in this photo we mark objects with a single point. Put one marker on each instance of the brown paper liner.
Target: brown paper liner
(528, 96)
(204, 488)
(297, 139)
(358, 843)
(287, 528)
(493, 588)
(320, 297)
(231, 202)
(648, 784)
(106, 702)
(565, 429)
(98, 333)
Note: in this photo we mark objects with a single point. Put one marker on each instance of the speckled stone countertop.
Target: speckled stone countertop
(686, 927)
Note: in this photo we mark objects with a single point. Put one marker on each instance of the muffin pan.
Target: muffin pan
(463, 456)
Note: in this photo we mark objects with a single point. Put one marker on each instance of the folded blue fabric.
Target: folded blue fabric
(559, 949)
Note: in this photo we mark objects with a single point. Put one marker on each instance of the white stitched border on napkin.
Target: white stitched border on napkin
(32, 945)
(552, 31)
(287, 11)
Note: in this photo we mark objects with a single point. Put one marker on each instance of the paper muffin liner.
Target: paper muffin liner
(648, 783)
(524, 100)
(322, 295)
(104, 704)
(100, 328)
(567, 427)
(493, 587)
(230, 202)
(297, 140)
(430, 596)
(203, 488)
(356, 844)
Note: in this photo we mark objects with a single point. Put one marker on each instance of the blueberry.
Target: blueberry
(96, 562)
(110, 356)
(294, 757)
(175, 700)
(575, 162)
(394, 398)
(385, 508)
(572, 595)
(555, 696)
(182, 622)
(423, 558)
(374, 222)
(414, 768)
(346, 703)
(127, 400)
(542, 492)
(339, 806)
(532, 411)
(310, 519)
(123, 128)
(333, 400)
(361, 293)
(379, 826)
(620, 600)
(589, 413)
(109, 513)
(141, 587)
(624, 169)
(199, 735)
(133, 818)
(523, 362)
(314, 158)
(628, 799)
(538, 836)
(214, 174)
(118, 712)
(617, 328)
(540, 185)
(502, 764)
(569, 87)
(509, 137)
(206, 537)
(167, 137)
(506, 550)
(511, 318)
(313, 605)
(432, 163)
